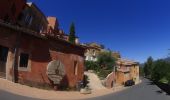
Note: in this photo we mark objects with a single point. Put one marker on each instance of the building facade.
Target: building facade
(28, 55)
(25, 58)
(92, 51)
(125, 70)
(32, 18)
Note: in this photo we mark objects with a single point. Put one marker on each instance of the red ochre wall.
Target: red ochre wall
(41, 52)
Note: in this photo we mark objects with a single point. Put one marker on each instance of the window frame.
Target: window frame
(24, 62)
(28, 68)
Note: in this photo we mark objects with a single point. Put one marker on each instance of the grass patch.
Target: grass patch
(163, 80)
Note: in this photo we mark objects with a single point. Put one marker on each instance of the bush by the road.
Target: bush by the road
(158, 71)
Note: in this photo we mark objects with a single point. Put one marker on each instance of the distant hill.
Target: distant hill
(141, 65)
(167, 59)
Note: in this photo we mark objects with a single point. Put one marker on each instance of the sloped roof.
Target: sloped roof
(31, 4)
(126, 62)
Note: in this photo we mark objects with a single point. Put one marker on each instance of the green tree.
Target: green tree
(161, 71)
(106, 60)
(141, 71)
(145, 69)
(91, 65)
(72, 35)
(148, 66)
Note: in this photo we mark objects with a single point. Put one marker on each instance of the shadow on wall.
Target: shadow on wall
(41, 55)
(63, 86)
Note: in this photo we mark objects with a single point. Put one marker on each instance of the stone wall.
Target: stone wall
(110, 79)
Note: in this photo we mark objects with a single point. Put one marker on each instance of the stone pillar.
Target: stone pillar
(9, 64)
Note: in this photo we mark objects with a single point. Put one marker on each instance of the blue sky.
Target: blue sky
(135, 28)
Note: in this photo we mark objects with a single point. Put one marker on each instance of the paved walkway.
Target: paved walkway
(22, 91)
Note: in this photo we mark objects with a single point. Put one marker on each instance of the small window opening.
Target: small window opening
(75, 67)
(24, 60)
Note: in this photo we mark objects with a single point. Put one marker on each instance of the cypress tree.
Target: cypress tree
(72, 36)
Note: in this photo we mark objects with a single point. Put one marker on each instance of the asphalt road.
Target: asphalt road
(9, 96)
(144, 91)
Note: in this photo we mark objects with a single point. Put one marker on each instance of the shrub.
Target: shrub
(91, 65)
(161, 71)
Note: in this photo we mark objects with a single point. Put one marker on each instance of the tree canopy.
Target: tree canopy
(158, 70)
(106, 60)
(148, 67)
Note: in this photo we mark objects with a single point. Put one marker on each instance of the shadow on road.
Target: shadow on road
(164, 87)
(150, 83)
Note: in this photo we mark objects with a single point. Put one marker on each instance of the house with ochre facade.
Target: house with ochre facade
(124, 70)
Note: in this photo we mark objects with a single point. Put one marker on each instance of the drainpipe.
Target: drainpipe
(14, 65)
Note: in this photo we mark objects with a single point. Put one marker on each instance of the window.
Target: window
(23, 60)
(75, 67)
(94, 52)
(28, 19)
(3, 53)
(87, 58)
